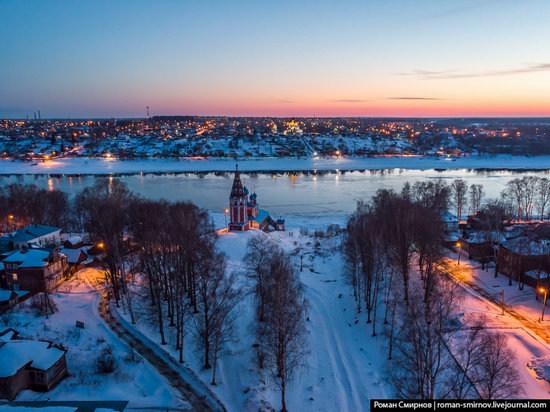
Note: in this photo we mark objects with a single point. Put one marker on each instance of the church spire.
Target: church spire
(238, 189)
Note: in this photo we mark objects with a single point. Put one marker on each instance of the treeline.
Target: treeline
(399, 276)
(22, 205)
(172, 245)
(280, 311)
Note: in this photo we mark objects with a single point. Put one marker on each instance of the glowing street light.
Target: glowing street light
(458, 246)
(225, 213)
(545, 291)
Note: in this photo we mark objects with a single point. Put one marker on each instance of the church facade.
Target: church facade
(244, 211)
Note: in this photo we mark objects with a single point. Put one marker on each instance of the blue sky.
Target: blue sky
(370, 57)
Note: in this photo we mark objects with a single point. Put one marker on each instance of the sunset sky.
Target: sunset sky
(275, 58)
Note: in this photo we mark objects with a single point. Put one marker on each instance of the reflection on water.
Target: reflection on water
(312, 194)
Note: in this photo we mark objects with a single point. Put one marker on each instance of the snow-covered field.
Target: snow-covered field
(343, 370)
(108, 166)
(528, 347)
(137, 382)
(345, 366)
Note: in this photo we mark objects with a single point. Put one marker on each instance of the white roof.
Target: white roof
(7, 336)
(15, 354)
(29, 258)
(528, 247)
(448, 217)
(72, 254)
(74, 240)
(5, 295)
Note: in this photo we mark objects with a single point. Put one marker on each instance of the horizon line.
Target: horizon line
(279, 117)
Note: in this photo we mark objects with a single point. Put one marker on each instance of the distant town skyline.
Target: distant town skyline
(396, 58)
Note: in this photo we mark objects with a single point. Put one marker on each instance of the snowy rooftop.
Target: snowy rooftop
(16, 354)
(528, 247)
(29, 258)
(72, 254)
(74, 240)
(31, 232)
(262, 215)
(5, 295)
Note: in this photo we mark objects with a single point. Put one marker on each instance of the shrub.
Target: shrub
(106, 362)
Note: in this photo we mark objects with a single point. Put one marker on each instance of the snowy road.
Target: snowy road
(135, 381)
(525, 336)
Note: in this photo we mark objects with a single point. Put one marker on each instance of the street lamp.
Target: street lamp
(225, 212)
(458, 252)
(545, 291)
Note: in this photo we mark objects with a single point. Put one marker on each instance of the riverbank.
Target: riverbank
(100, 166)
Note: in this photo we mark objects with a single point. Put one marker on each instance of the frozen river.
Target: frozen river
(326, 196)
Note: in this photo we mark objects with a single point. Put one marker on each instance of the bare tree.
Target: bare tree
(485, 365)
(104, 208)
(283, 334)
(216, 301)
(476, 197)
(543, 196)
(459, 193)
(496, 374)
(422, 357)
(522, 193)
(257, 258)
(493, 216)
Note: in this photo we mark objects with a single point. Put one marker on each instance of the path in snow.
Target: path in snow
(166, 368)
(77, 299)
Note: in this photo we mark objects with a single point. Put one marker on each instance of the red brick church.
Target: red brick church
(244, 213)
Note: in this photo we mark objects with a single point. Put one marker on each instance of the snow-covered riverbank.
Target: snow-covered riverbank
(83, 166)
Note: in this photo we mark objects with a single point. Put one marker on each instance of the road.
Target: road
(463, 276)
(168, 371)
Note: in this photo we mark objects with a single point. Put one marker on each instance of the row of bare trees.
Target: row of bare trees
(26, 204)
(397, 271)
(173, 246)
(529, 197)
(279, 324)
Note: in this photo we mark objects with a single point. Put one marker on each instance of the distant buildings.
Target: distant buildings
(191, 136)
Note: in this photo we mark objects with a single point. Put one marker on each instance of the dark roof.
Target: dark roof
(238, 189)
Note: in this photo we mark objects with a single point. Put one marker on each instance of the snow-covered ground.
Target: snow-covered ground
(343, 370)
(77, 299)
(527, 346)
(106, 166)
(528, 337)
(345, 366)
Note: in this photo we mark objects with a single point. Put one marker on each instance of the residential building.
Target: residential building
(33, 235)
(27, 364)
(35, 270)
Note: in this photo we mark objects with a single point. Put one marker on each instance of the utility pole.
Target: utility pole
(502, 300)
